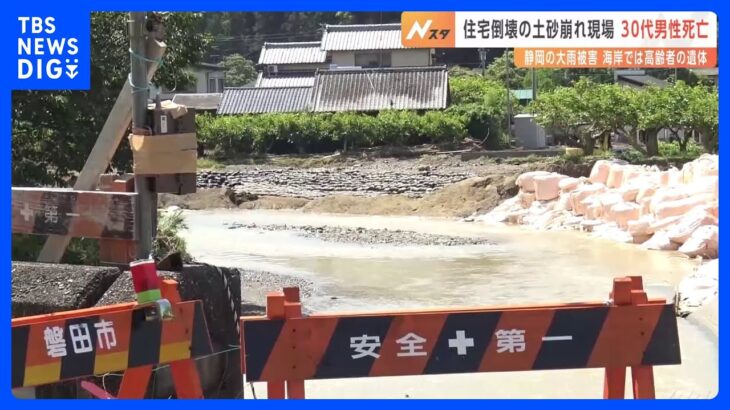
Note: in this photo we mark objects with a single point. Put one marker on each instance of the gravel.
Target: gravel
(41, 288)
(367, 236)
(313, 183)
(256, 284)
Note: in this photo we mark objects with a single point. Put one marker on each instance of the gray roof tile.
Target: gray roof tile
(417, 88)
(292, 53)
(255, 100)
(362, 37)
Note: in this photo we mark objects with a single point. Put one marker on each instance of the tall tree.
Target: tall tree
(53, 131)
(239, 70)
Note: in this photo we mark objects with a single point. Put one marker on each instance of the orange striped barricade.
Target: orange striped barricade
(629, 330)
(87, 342)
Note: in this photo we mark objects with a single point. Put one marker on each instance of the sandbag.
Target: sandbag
(681, 206)
(629, 193)
(646, 191)
(568, 184)
(615, 176)
(563, 203)
(641, 226)
(594, 209)
(688, 173)
(631, 173)
(525, 181)
(664, 224)
(706, 165)
(704, 185)
(546, 186)
(582, 193)
(645, 205)
(609, 199)
(675, 177)
(703, 242)
(713, 208)
(624, 212)
(664, 195)
(526, 199)
(599, 172)
(689, 223)
(660, 242)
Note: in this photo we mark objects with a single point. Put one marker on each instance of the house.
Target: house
(351, 89)
(370, 46)
(293, 64)
(206, 78)
(362, 67)
(637, 79)
(710, 74)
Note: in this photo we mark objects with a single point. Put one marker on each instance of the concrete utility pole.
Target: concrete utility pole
(146, 200)
(509, 95)
(534, 85)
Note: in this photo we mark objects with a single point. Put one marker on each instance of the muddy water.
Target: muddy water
(520, 267)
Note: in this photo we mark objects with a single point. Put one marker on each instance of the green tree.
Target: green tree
(703, 116)
(239, 70)
(503, 71)
(54, 131)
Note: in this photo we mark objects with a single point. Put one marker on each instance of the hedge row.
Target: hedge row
(477, 110)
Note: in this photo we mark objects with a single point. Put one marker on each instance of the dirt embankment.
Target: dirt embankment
(432, 185)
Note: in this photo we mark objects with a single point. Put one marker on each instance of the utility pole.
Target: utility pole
(146, 199)
(509, 96)
(534, 85)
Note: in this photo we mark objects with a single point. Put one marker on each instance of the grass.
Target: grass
(210, 164)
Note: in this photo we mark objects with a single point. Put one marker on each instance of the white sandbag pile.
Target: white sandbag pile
(661, 210)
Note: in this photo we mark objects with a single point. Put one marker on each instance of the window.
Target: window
(371, 60)
(211, 85)
(220, 86)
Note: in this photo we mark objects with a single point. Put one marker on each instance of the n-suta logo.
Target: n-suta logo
(433, 34)
(42, 53)
(427, 30)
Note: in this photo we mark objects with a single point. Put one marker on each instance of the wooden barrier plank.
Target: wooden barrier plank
(90, 214)
(51, 348)
(114, 129)
(440, 342)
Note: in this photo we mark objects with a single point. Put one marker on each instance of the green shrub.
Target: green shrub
(477, 110)
(671, 149)
(168, 240)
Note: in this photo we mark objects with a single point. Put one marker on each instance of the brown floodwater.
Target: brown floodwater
(520, 267)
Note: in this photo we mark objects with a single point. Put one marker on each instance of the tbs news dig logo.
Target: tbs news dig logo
(427, 30)
(43, 52)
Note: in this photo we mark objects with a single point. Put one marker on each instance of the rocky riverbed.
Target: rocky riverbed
(411, 181)
(367, 236)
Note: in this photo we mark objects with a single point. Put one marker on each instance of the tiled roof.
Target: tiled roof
(201, 101)
(362, 37)
(255, 100)
(414, 88)
(292, 53)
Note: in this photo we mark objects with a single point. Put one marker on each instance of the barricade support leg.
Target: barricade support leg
(275, 310)
(293, 309)
(134, 382)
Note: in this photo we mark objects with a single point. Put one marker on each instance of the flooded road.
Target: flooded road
(518, 267)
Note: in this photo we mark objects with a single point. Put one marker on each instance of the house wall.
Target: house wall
(343, 58)
(398, 58)
(411, 58)
(300, 67)
(202, 78)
